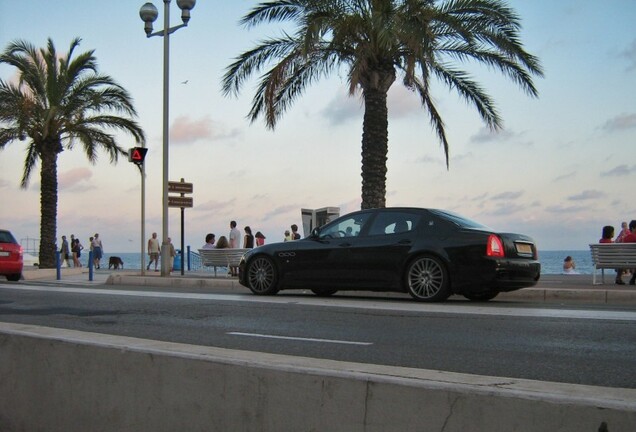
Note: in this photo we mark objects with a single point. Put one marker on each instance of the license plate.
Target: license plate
(3, 253)
(523, 248)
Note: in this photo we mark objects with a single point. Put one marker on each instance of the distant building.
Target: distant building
(317, 218)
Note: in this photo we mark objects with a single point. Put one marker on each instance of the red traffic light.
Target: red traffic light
(137, 155)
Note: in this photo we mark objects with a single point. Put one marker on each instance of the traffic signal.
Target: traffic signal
(137, 155)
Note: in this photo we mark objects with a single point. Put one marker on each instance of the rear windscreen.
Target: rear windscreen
(6, 237)
(460, 220)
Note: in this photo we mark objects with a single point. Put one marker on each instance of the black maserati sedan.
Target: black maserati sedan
(431, 254)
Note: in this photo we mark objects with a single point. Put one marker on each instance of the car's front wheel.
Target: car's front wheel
(262, 278)
(427, 280)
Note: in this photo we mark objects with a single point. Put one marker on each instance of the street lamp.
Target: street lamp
(148, 13)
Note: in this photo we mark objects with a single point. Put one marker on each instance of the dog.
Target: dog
(115, 262)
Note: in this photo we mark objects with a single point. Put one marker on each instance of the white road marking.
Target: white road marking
(334, 341)
(384, 305)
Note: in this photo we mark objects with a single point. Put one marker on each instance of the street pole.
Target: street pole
(148, 13)
(143, 219)
(165, 247)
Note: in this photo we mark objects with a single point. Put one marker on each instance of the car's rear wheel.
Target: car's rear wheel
(427, 279)
(14, 277)
(262, 278)
(325, 292)
(481, 297)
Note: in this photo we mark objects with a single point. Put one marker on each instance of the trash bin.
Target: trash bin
(177, 261)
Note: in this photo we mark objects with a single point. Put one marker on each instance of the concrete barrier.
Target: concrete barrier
(62, 380)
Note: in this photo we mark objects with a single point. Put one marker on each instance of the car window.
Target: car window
(348, 227)
(387, 223)
(6, 237)
(459, 220)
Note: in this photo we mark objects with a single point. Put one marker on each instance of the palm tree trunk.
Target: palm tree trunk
(48, 209)
(374, 148)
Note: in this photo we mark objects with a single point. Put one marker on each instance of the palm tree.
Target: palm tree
(58, 102)
(375, 40)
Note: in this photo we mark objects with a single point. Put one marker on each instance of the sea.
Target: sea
(551, 261)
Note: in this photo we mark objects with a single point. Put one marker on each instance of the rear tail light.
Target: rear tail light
(494, 248)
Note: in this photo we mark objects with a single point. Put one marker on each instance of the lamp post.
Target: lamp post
(148, 13)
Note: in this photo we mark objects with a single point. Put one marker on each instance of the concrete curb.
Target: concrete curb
(175, 282)
(551, 295)
(122, 383)
(51, 274)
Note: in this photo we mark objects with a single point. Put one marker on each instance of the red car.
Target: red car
(11, 256)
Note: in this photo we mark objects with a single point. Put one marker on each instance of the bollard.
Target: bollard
(90, 266)
(58, 272)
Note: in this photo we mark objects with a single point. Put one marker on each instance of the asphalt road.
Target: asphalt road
(574, 345)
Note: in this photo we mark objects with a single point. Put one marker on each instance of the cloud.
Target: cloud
(462, 157)
(620, 122)
(401, 102)
(343, 108)
(563, 210)
(76, 179)
(485, 135)
(215, 206)
(429, 160)
(565, 176)
(630, 54)
(619, 171)
(280, 210)
(587, 195)
(185, 130)
(507, 196)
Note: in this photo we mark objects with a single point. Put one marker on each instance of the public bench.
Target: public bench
(221, 257)
(612, 256)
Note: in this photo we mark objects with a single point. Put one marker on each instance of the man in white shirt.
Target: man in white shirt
(235, 236)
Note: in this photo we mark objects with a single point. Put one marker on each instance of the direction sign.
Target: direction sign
(178, 201)
(180, 187)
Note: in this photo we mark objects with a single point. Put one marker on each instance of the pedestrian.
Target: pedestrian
(98, 250)
(65, 252)
(629, 238)
(235, 243)
(288, 236)
(209, 241)
(173, 253)
(235, 236)
(260, 238)
(295, 235)
(248, 239)
(153, 251)
(76, 248)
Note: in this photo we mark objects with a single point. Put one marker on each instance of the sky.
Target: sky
(560, 169)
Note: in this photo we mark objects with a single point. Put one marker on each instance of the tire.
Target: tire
(262, 277)
(14, 277)
(427, 279)
(481, 297)
(324, 292)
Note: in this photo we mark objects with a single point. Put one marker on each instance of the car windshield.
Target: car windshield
(460, 220)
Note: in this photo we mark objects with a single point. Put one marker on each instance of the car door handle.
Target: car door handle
(345, 245)
(404, 242)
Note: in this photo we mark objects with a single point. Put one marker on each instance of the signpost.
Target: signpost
(180, 187)
(179, 201)
(182, 201)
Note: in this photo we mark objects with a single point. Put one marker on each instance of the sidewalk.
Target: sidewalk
(551, 288)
